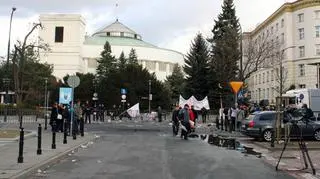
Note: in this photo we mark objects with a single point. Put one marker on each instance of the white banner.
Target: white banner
(192, 101)
(134, 111)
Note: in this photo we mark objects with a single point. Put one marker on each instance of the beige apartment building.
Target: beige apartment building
(295, 27)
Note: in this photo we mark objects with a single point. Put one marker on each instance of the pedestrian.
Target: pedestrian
(185, 125)
(204, 114)
(67, 119)
(101, 112)
(240, 118)
(233, 115)
(53, 117)
(159, 114)
(192, 120)
(195, 113)
(60, 118)
(87, 112)
(175, 121)
(226, 118)
(221, 117)
(77, 117)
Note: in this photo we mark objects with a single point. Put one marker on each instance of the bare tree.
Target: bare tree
(256, 53)
(23, 51)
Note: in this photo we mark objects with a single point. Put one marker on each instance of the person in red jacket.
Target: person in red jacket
(192, 118)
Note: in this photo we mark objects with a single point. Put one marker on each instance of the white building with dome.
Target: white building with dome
(71, 50)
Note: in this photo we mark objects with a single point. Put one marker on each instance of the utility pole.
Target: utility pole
(150, 96)
(45, 104)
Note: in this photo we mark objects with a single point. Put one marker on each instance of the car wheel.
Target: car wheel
(317, 134)
(267, 135)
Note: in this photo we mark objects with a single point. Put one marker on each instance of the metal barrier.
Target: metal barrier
(28, 115)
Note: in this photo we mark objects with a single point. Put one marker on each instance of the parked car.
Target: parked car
(260, 125)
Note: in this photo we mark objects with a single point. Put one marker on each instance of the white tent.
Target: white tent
(198, 105)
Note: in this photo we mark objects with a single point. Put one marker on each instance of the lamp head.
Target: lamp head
(14, 9)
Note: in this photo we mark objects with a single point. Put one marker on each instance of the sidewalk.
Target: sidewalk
(9, 168)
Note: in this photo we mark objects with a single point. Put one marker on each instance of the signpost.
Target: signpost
(73, 81)
(236, 86)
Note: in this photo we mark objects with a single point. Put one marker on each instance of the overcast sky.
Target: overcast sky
(166, 23)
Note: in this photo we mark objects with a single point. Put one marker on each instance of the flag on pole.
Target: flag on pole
(134, 111)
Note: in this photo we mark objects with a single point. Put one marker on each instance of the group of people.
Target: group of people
(230, 119)
(187, 117)
(60, 118)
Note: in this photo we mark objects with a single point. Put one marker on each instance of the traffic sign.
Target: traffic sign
(123, 96)
(236, 85)
(301, 96)
(73, 81)
(123, 91)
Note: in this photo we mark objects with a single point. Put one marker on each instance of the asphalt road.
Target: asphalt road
(138, 151)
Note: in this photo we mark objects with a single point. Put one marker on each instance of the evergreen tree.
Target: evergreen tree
(107, 62)
(175, 83)
(197, 69)
(122, 61)
(133, 59)
(225, 51)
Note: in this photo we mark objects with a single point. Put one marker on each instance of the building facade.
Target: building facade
(71, 50)
(295, 28)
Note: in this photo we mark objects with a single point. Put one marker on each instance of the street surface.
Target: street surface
(148, 150)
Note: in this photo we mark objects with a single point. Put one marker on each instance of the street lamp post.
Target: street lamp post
(6, 97)
(150, 96)
(45, 104)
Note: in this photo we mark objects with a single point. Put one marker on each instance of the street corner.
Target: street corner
(12, 135)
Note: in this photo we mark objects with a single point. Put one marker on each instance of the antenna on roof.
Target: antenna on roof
(117, 5)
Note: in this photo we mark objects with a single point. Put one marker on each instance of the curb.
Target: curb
(288, 148)
(25, 173)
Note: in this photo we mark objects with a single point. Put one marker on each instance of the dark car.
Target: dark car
(260, 125)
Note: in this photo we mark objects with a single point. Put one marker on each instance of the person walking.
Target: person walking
(195, 113)
(204, 115)
(53, 117)
(159, 114)
(175, 121)
(185, 125)
(87, 112)
(77, 117)
(221, 117)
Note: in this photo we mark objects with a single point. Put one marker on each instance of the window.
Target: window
(263, 94)
(282, 22)
(272, 30)
(317, 31)
(267, 76)
(302, 86)
(151, 65)
(300, 17)
(267, 93)
(317, 49)
(282, 38)
(317, 14)
(171, 68)
(301, 33)
(135, 36)
(59, 34)
(277, 26)
(301, 51)
(121, 34)
(272, 92)
(108, 33)
(301, 70)
(259, 78)
(256, 79)
(267, 117)
(263, 75)
(272, 75)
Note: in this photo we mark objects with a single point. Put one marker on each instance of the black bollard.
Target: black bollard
(39, 151)
(65, 132)
(53, 146)
(20, 157)
(272, 138)
(82, 127)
